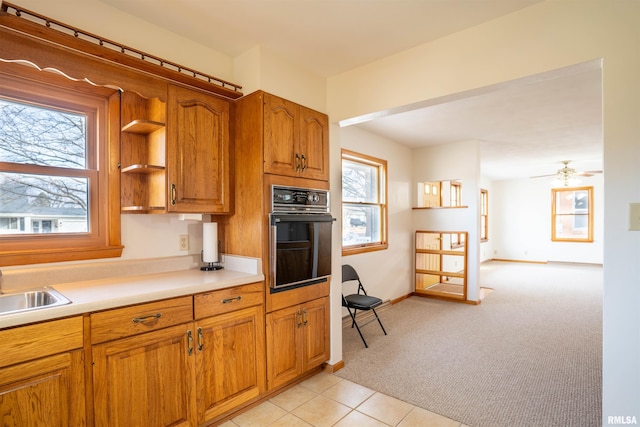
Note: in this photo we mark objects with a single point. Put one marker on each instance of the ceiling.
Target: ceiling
(525, 128)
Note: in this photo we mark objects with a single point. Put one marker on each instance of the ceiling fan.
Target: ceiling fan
(566, 176)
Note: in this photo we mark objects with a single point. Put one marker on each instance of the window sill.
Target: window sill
(353, 250)
(440, 207)
(59, 255)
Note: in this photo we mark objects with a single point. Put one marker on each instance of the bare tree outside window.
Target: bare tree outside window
(49, 195)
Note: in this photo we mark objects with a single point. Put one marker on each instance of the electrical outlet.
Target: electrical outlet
(183, 242)
(634, 216)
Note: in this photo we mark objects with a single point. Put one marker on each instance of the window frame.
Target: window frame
(381, 164)
(589, 214)
(102, 107)
(455, 201)
(455, 194)
(484, 215)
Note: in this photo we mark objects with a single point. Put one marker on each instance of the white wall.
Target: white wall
(98, 18)
(386, 274)
(546, 36)
(260, 68)
(522, 213)
(459, 161)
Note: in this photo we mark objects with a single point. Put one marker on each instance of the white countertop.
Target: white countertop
(94, 295)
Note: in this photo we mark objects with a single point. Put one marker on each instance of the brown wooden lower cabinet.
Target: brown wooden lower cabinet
(230, 361)
(146, 379)
(42, 374)
(297, 340)
(154, 364)
(182, 375)
(48, 391)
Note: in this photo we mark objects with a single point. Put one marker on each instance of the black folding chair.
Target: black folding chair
(359, 300)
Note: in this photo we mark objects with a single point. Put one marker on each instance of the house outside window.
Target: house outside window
(364, 208)
(572, 214)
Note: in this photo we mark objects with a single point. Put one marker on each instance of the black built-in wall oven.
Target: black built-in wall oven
(300, 238)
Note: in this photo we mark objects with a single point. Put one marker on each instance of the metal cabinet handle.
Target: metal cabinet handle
(189, 343)
(200, 339)
(297, 162)
(228, 300)
(304, 316)
(143, 319)
(304, 163)
(299, 318)
(173, 194)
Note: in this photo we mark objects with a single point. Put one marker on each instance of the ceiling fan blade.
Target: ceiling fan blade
(587, 173)
(544, 176)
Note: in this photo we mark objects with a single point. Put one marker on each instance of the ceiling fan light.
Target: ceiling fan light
(565, 181)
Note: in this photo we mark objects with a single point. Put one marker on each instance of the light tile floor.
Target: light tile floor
(327, 400)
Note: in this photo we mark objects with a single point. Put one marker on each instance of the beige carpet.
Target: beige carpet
(529, 355)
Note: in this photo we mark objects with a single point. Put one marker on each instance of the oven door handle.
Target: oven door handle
(276, 218)
(274, 247)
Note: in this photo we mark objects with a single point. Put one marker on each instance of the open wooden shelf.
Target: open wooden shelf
(142, 126)
(441, 264)
(143, 154)
(144, 169)
(143, 209)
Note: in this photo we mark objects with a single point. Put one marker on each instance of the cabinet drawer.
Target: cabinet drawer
(229, 299)
(297, 296)
(137, 319)
(39, 340)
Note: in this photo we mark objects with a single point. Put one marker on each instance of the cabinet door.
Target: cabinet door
(316, 342)
(197, 152)
(47, 391)
(281, 133)
(230, 361)
(314, 144)
(145, 380)
(284, 350)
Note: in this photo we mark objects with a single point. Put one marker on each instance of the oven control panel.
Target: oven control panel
(291, 199)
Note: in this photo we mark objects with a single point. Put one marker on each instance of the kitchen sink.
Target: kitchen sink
(33, 299)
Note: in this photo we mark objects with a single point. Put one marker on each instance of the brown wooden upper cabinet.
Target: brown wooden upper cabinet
(197, 152)
(296, 140)
(175, 154)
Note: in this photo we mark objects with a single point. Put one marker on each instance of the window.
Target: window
(457, 240)
(364, 206)
(455, 194)
(572, 214)
(484, 215)
(431, 196)
(54, 171)
(52, 143)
